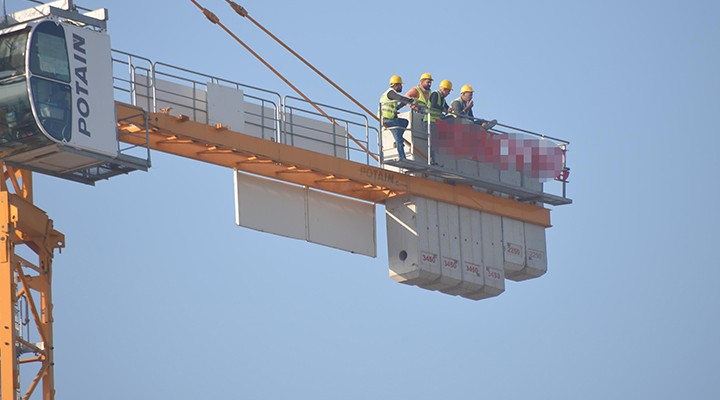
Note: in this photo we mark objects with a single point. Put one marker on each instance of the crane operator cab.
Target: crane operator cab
(57, 111)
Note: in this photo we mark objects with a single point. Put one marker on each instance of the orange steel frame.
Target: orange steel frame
(24, 224)
(217, 145)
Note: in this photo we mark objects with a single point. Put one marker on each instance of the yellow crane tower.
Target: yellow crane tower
(73, 108)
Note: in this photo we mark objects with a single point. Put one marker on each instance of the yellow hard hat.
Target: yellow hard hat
(446, 84)
(426, 76)
(395, 79)
(466, 88)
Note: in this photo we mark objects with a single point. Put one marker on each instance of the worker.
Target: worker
(390, 102)
(462, 107)
(436, 108)
(421, 92)
(438, 105)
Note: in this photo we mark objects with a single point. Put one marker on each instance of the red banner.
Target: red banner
(537, 158)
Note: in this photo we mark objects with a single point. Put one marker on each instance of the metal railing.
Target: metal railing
(359, 128)
(127, 87)
(199, 81)
(425, 153)
(290, 120)
(562, 177)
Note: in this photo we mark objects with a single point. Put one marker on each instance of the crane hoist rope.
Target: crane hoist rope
(215, 20)
(240, 10)
(244, 13)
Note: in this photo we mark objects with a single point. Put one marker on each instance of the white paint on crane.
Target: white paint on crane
(226, 106)
(513, 235)
(440, 246)
(301, 213)
(341, 222)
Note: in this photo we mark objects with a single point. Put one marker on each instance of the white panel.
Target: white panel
(450, 263)
(143, 93)
(226, 107)
(494, 283)
(100, 13)
(533, 184)
(492, 256)
(536, 246)
(488, 172)
(93, 123)
(260, 121)
(442, 156)
(535, 261)
(467, 166)
(402, 240)
(296, 212)
(471, 250)
(389, 149)
(413, 245)
(513, 234)
(257, 121)
(37, 11)
(341, 223)
(408, 264)
(511, 177)
(183, 99)
(492, 247)
(535, 254)
(429, 240)
(486, 236)
(417, 137)
(314, 135)
(270, 206)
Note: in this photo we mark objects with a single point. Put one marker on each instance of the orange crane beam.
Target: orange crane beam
(216, 145)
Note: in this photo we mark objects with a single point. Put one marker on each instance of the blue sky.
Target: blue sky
(159, 295)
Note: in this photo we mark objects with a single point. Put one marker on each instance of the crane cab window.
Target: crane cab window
(52, 106)
(12, 54)
(48, 52)
(18, 130)
(49, 84)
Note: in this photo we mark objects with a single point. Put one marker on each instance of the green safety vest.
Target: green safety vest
(433, 112)
(388, 108)
(421, 100)
(468, 113)
(459, 100)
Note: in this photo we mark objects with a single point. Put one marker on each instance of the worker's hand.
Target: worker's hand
(469, 105)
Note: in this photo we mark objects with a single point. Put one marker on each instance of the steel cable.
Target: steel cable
(215, 20)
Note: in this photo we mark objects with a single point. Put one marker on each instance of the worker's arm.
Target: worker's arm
(392, 95)
(413, 94)
(456, 108)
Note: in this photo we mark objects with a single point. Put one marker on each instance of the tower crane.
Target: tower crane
(73, 108)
